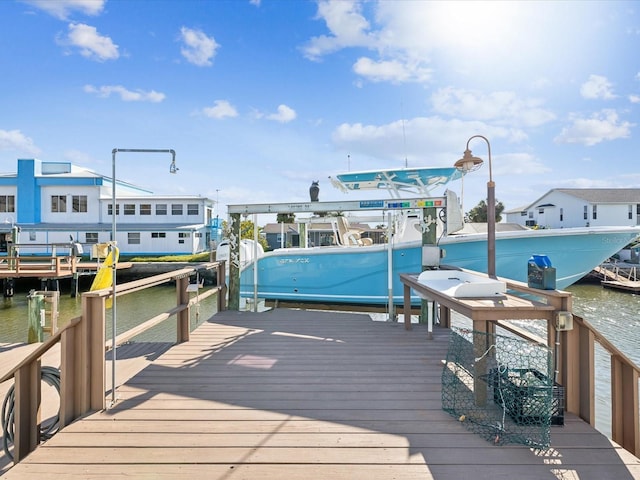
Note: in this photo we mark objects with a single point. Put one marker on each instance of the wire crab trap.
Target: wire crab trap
(501, 387)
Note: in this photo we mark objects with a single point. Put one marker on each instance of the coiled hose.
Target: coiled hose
(50, 375)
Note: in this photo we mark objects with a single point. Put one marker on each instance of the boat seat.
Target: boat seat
(349, 236)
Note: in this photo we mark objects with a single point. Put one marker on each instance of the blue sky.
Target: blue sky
(261, 97)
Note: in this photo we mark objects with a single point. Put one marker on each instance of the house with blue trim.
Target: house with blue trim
(58, 202)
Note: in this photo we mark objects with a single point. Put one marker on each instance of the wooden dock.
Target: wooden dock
(616, 278)
(294, 394)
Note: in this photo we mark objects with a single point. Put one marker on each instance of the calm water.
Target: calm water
(132, 310)
(615, 314)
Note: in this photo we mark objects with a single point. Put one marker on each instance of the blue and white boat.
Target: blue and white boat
(356, 272)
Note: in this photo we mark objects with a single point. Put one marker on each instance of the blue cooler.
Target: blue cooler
(540, 273)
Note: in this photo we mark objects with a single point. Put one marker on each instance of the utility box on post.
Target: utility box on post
(540, 273)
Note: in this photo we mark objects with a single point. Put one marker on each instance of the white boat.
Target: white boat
(355, 271)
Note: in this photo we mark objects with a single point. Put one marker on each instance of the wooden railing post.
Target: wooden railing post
(578, 371)
(407, 306)
(82, 362)
(221, 279)
(96, 317)
(184, 314)
(27, 410)
(625, 426)
(68, 376)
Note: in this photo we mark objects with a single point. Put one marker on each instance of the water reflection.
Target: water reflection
(133, 309)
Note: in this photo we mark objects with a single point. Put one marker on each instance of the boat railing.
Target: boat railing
(82, 353)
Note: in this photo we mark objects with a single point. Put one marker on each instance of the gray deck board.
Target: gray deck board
(293, 394)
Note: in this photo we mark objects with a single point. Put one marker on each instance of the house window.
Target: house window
(79, 203)
(586, 214)
(193, 209)
(184, 235)
(540, 211)
(133, 238)
(91, 237)
(32, 236)
(158, 235)
(110, 209)
(176, 209)
(630, 212)
(161, 209)
(145, 209)
(561, 214)
(129, 208)
(58, 203)
(523, 214)
(595, 212)
(7, 203)
(198, 235)
(530, 214)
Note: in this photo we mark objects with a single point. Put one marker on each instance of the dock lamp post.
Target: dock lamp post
(469, 163)
(172, 169)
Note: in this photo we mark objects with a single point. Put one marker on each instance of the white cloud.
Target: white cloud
(601, 126)
(284, 115)
(391, 71)
(125, 94)
(501, 107)
(198, 48)
(597, 87)
(220, 109)
(90, 43)
(15, 140)
(634, 98)
(413, 138)
(347, 26)
(460, 37)
(78, 157)
(63, 8)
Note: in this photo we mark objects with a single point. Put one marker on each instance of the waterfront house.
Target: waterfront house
(580, 207)
(56, 202)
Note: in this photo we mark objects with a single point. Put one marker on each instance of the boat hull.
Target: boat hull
(360, 274)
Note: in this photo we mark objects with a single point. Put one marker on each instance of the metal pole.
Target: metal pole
(392, 316)
(491, 214)
(114, 315)
(255, 262)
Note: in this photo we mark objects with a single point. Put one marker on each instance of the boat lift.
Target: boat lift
(430, 250)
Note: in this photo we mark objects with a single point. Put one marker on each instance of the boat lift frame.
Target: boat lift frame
(428, 205)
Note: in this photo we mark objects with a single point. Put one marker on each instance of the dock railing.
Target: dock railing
(578, 374)
(82, 353)
(574, 349)
(38, 265)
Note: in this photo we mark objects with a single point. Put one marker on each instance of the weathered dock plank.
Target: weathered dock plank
(304, 395)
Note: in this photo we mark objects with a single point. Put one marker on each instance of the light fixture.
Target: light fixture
(469, 163)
